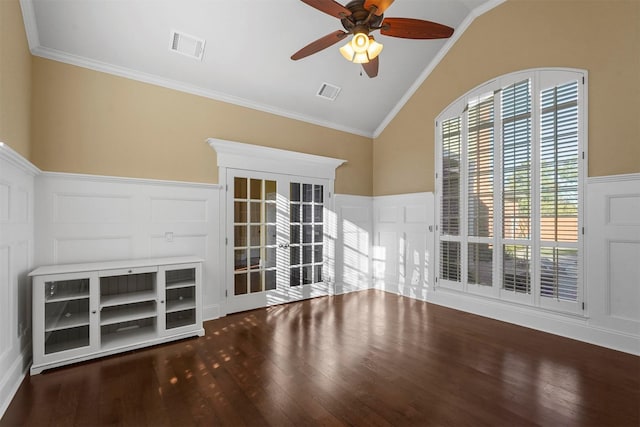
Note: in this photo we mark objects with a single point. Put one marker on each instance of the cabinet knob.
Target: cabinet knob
(130, 271)
(161, 301)
(94, 311)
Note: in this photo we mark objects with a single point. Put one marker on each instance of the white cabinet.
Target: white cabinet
(83, 311)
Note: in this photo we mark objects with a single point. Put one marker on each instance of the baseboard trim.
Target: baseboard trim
(12, 380)
(211, 312)
(340, 288)
(556, 324)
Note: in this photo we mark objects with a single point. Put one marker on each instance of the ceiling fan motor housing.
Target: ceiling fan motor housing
(361, 20)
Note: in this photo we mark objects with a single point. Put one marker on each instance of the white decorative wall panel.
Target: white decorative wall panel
(16, 260)
(91, 249)
(350, 246)
(179, 246)
(20, 198)
(21, 257)
(387, 214)
(386, 259)
(403, 243)
(85, 218)
(5, 307)
(613, 258)
(624, 210)
(624, 280)
(178, 210)
(4, 202)
(92, 209)
(415, 214)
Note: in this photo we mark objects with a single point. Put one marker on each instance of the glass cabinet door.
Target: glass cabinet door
(66, 314)
(180, 296)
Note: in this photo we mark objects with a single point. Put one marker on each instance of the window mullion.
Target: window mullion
(464, 195)
(497, 195)
(535, 190)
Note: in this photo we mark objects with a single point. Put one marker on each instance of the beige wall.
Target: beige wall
(90, 122)
(601, 36)
(15, 79)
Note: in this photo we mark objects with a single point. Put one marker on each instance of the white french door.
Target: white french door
(275, 247)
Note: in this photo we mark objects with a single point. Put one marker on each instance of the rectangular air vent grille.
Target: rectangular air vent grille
(328, 91)
(187, 45)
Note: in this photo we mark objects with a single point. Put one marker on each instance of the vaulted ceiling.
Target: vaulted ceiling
(247, 49)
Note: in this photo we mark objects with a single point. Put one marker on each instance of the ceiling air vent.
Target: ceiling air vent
(187, 45)
(328, 91)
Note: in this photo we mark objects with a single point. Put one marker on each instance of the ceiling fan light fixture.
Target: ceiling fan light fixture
(374, 48)
(360, 42)
(361, 56)
(347, 52)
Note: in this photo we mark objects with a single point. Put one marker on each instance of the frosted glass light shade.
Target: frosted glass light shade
(374, 48)
(353, 52)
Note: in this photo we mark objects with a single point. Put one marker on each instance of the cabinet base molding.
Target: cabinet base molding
(37, 369)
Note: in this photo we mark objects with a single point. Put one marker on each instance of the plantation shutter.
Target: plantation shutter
(510, 185)
(516, 186)
(559, 175)
(480, 189)
(450, 268)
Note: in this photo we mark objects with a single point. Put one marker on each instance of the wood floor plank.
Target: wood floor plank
(365, 359)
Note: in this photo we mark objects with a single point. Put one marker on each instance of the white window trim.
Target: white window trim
(540, 77)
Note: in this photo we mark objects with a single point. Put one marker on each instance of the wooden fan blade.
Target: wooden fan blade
(408, 28)
(371, 67)
(318, 45)
(381, 5)
(330, 7)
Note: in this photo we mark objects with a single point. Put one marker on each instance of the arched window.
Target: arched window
(509, 181)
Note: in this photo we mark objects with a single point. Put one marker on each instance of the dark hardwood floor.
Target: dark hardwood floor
(369, 358)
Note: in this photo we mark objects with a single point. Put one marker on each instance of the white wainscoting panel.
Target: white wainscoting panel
(91, 209)
(179, 210)
(86, 218)
(612, 275)
(351, 257)
(613, 253)
(17, 181)
(403, 244)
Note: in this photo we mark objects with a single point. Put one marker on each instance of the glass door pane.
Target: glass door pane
(254, 235)
(275, 239)
(306, 210)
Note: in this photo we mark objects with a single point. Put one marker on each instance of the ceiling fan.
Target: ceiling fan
(360, 18)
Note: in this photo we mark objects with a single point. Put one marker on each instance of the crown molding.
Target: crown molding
(478, 11)
(38, 50)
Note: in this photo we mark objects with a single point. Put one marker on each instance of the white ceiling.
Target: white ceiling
(247, 54)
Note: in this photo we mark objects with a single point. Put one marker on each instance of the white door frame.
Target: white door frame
(253, 158)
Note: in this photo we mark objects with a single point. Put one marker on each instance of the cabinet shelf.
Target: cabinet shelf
(182, 284)
(126, 314)
(179, 305)
(67, 321)
(130, 336)
(127, 298)
(64, 295)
